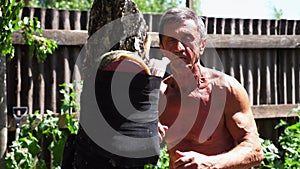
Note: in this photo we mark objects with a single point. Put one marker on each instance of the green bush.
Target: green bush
(163, 162)
(147, 6)
(25, 152)
(30, 30)
(62, 4)
(288, 153)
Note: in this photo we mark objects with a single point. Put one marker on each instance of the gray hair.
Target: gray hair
(179, 14)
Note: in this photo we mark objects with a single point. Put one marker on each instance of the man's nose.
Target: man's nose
(179, 47)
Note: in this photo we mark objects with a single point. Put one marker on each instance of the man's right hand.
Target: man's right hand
(183, 76)
(162, 131)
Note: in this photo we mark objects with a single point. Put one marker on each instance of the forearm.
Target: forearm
(245, 155)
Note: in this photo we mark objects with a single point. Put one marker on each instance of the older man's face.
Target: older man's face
(181, 40)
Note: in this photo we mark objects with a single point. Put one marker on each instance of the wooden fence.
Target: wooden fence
(78, 20)
(263, 55)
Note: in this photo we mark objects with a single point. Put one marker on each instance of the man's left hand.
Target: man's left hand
(192, 160)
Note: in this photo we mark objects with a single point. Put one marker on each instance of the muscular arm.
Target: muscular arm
(240, 123)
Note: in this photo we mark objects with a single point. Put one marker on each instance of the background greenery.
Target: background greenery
(287, 153)
(25, 153)
(145, 6)
(30, 30)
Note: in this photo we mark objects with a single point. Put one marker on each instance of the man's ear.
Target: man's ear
(202, 46)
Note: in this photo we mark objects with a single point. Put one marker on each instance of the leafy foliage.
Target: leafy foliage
(63, 4)
(70, 104)
(9, 10)
(289, 141)
(163, 162)
(288, 153)
(25, 152)
(24, 158)
(146, 6)
(30, 29)
(155, 6)
(277, 13)
(271, 155)
(38, 45)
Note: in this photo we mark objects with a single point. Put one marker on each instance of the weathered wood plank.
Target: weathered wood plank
(273, 111)
(78, 37)
(245, 41)
(62, 37)
(253, 41)
(259, 112)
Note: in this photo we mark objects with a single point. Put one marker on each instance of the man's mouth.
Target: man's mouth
(184, 59)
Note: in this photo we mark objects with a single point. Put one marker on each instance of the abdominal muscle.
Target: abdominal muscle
(184, 135)
(219, 142)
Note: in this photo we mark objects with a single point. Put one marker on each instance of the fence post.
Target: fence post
(190, 4)
(3, 112)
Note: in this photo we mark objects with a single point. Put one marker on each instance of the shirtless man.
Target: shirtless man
(205, 115)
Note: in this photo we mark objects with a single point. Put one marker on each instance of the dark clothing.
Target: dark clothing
(140, 122)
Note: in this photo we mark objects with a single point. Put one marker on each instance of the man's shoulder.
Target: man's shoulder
(222, 79)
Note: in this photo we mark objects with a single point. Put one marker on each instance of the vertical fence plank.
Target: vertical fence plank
(76, 72)
(259, 27)
(241, 67)
(241, 26)
(223, 60)
(294, 27)
(276, 76)
(43, 18)
(41, 88)
(148, 19)
(31, 15)
(276, 27)
(251, 27)
(268, 79)
(77, 16)
(268, 27)
(286, 23)
(284, 79)
(51, 79)
(259, 79)
(206, 20)
(223, 22)
(249, 85)
(215, 26)
(293, 77)
(66, 67)
(232, 26)
(18, 77)
(55, 19)
(232, 63)
(64, 20)
(30, 85)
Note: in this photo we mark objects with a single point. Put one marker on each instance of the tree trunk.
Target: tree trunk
(3, 111)
(133, 28)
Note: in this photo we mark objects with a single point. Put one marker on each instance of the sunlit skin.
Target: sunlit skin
(190, 94)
